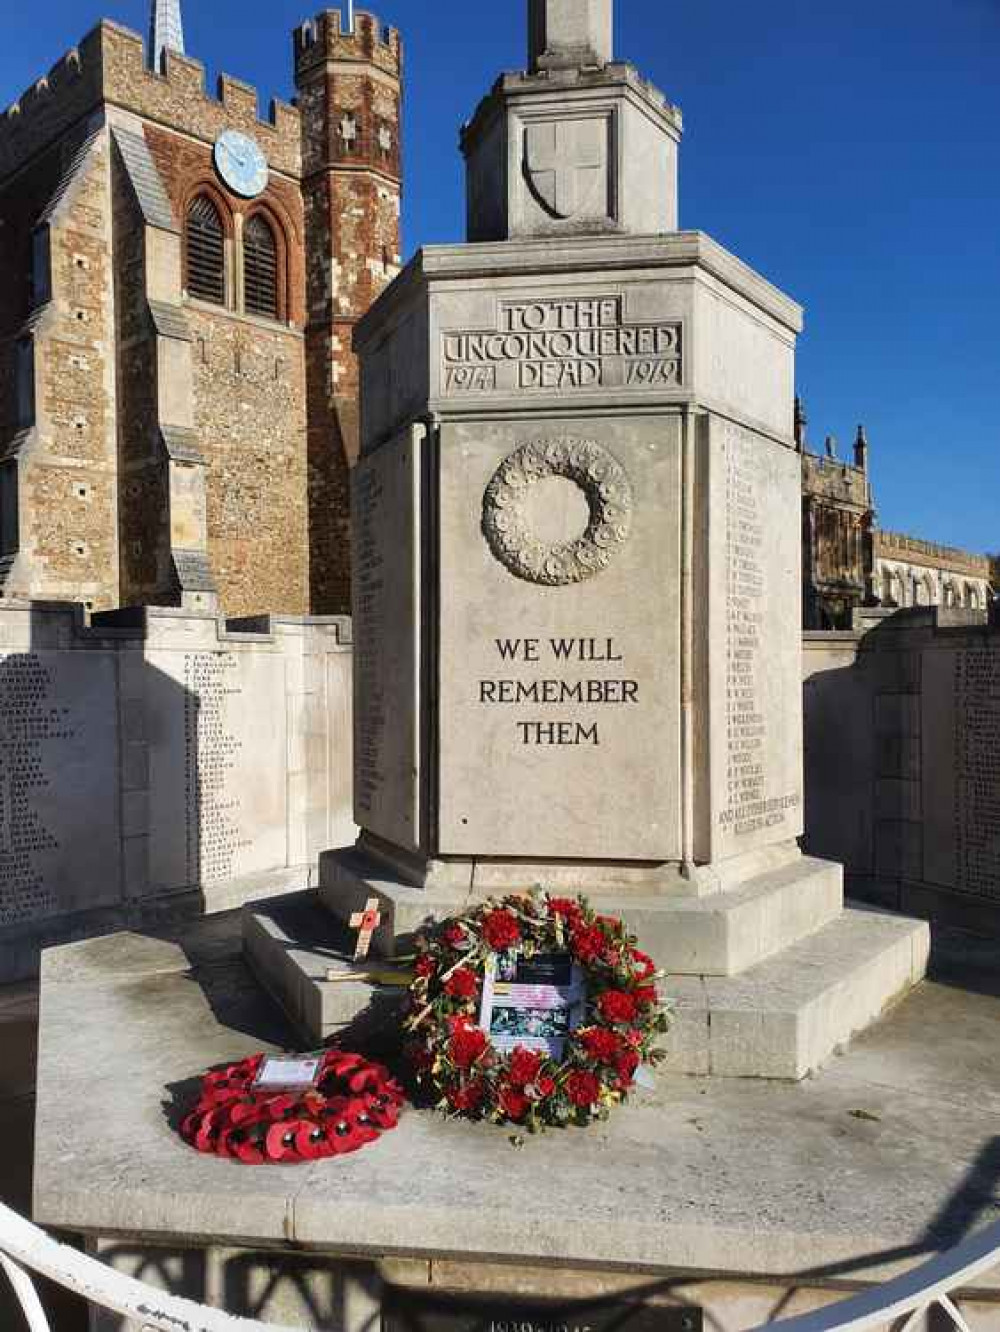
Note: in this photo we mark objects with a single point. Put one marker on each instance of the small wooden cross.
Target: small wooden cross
(366, 922)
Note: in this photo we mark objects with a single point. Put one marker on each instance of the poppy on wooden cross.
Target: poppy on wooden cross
(366, 922)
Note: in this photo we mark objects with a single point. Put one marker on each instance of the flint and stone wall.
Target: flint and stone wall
(902, 755)
(160, 762)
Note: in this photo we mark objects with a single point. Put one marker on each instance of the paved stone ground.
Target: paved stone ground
(910, 1108)
(18, 1048)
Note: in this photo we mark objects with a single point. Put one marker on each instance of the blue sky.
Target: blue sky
(848, 149)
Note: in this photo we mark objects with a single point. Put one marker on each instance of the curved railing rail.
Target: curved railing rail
(25, 1249)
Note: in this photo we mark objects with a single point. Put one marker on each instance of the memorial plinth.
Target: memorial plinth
(577, 561)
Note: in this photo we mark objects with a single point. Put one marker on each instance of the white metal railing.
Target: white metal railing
(24, 1249)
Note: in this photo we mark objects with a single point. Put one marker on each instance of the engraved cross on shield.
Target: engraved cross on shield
(566, 166)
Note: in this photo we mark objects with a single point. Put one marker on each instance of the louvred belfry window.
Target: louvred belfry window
(260, 268)
(206, 252)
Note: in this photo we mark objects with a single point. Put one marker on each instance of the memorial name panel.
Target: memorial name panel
(562, 344)
(58, 779)
(976, 802)
(218, 765)
(754, 646)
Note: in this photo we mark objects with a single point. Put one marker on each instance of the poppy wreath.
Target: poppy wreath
(350, 1104)
(456, 1061)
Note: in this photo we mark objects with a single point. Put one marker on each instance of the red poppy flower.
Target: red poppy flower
(501, 930)
(583, 1088)
(525, 1066)
(279, 1142)
(462, 984)
(617, 1006)
(249, 1151)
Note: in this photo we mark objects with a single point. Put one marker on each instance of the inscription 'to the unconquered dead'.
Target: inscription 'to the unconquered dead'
(564, 344)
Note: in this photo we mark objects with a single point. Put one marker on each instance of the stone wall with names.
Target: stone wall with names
(159, 762)
(903, 761)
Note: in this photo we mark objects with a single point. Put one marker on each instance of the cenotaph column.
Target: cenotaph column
(577, 583)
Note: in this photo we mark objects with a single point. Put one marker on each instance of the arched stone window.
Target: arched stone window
(205, 252)
(260, 268)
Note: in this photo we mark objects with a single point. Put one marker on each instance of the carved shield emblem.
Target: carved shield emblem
(566, 166)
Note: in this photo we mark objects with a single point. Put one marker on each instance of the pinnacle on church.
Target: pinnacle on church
(166, 30)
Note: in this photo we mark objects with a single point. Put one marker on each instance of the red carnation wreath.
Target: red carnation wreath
(580, 1065)
(350, 1103)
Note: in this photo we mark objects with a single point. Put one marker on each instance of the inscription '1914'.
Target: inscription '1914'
(573, 343)
(559, 691)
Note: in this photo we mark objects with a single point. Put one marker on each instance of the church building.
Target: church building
(181, 278)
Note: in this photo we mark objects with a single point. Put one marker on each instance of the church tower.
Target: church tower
(348, 77)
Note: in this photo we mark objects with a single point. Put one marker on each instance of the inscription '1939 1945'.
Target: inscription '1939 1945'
(572, 343)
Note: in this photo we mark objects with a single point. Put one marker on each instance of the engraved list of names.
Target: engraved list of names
(748, 806)
(977, 773)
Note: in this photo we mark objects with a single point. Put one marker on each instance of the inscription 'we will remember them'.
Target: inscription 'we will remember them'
(572, 343)
(558, 691)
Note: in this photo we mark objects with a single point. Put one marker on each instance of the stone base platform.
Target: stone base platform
(718, 935)
(749, 1199)
(780, 1019)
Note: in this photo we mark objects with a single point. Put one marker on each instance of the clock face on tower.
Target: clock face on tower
(241, 164)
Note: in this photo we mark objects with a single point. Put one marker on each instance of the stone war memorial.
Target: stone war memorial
(577, 564)
(578, 798)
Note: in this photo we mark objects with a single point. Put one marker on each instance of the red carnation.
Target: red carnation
(563, 906)
(525, 1066)
(467, 1098)
(626, 1064)
(617, 1006)
(545, 1087)
(583, 1088)
(501, 930)
(601, 1044)
(425, 966)
(462, 984)
(645, 996)
(513, 1102)
(467, 1044)
(588, 943)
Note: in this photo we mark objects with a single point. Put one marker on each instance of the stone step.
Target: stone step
(291, 944)
(720, 935)
(786, 1016)
(781, 1019)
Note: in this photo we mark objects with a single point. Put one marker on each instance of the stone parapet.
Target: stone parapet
(110, 66)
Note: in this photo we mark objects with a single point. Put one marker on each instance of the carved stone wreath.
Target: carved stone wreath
(608, 493)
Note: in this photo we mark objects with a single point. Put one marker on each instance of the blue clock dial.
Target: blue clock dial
(241, 164)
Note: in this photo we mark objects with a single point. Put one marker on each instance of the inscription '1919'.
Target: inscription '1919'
(577, 343)
(558, 691)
